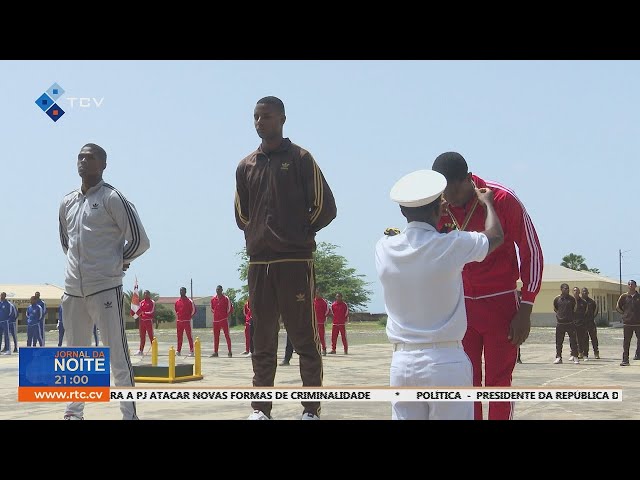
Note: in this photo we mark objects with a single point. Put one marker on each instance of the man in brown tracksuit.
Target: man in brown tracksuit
(590, 322)
(629, 306)
(282, 200)
(579, 320)
(565, 305)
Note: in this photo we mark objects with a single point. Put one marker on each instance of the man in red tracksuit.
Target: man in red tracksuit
(248, 331)
(221, 307)
(340, 312)
(185, 310)
(146, 312)
(322, 309)
(496, 323)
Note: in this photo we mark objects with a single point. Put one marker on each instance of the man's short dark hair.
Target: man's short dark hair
(98, 149)
(275, 101)
(429, 208)
(219, 286)
(452, 165)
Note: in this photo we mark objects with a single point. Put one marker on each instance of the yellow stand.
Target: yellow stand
(170, 373)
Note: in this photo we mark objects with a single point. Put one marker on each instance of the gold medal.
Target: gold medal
(466, 219)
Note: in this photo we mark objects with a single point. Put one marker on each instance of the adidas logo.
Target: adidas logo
(284, 167)
(108, 304)
(94, 206)
(300, 297)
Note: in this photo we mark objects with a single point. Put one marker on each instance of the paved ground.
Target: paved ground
(366, 365)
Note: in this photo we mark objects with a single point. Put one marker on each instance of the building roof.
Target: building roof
(558, 273)
(24, 292)
(173, 300)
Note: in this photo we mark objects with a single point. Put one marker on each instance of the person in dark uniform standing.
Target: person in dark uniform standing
(579, 320)
(629, 306)
(590, 324)
(565, 305)
(288, 353)
(282, 200)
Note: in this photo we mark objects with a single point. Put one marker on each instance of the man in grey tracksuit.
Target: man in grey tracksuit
(101, 233)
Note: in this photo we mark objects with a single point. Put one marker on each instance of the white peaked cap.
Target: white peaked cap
(418, 188)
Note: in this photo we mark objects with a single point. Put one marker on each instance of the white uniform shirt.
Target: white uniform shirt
(421, 274)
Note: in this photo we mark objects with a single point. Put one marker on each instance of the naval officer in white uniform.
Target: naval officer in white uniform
(420, 271)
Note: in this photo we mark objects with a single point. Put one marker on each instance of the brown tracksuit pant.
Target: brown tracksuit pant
(284, 288)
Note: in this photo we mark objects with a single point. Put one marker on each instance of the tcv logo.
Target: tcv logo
(50, 101)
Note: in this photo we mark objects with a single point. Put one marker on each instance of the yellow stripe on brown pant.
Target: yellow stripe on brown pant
(284, 289)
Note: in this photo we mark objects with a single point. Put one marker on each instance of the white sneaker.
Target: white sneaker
(191, 354)
(572, 358)
(6, 352)
(139, 353)
(70, 416)
(309, 416)
(257, 415)
(558, 360)
(575, 360)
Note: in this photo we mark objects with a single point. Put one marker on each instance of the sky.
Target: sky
(564, 135)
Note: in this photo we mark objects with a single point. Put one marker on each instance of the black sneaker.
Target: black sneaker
(636, 357)
(214, 354)
(624, 363)
(229, 354)
(597, 355)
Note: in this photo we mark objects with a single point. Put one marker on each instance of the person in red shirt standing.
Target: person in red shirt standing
(248, 329)
(323, 309)
(497, 324)
(146, 312)
(185, 310)
(221, 307)
(340, 312)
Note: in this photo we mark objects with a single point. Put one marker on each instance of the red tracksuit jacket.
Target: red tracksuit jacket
(147, 309)
(185, 308)
(499, 272)
(340, 312)
(322, 309)
(221, 307)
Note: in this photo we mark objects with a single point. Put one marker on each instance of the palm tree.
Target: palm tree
(577, 262)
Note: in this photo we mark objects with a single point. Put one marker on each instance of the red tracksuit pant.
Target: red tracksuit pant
(184, 326)
(224, 326)
(146, 327)
(342, 330)
(488, 322)
(321, 335)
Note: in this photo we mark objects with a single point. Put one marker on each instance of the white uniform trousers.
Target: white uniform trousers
(431, 368)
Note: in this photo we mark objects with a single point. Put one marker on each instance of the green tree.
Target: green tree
(237, 300)
(332, 274)
(577, 262)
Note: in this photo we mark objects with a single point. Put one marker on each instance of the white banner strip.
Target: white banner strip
(375, 394)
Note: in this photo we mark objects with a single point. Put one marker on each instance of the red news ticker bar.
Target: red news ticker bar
(63, 394)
